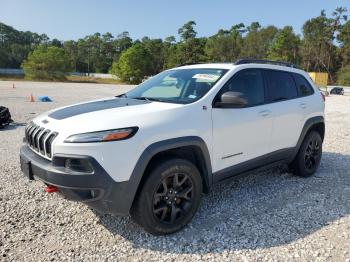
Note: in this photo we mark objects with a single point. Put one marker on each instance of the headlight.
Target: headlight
(103, 136)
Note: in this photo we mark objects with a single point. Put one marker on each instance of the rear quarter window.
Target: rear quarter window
(303, 86)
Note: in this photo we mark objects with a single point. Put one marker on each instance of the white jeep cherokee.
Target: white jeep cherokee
(153, 151)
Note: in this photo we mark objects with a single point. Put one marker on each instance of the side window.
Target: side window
(281, 85)
(249, 83)
(304, 87)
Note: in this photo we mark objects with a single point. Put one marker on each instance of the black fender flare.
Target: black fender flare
(161, 146)
(306, 128)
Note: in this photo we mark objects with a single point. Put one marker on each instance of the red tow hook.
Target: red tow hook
(51, 189)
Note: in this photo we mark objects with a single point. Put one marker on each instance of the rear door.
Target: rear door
(286, 109)
(308, 104)
(241, 134)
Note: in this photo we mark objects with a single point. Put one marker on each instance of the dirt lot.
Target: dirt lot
(270, 215)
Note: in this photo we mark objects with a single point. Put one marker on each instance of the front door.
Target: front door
(242, 134)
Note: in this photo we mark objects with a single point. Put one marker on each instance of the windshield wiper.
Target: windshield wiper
(148, 99)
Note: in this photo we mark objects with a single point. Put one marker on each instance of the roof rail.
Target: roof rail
(261, 61)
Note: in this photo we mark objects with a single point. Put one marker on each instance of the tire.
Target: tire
(162, 208)
(309, 156)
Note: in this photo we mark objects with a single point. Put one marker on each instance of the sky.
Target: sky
(74, 19)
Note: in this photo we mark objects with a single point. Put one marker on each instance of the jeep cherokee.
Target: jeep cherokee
(154, 150)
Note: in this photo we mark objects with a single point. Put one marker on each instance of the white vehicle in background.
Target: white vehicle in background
(153, 151)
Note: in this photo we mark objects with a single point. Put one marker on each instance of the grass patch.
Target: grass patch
(87, 79)
(11, 78)
(69, 79)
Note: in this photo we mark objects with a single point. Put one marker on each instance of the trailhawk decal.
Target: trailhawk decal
(95, 106)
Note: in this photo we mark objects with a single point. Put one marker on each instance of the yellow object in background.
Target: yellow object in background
(320, 79)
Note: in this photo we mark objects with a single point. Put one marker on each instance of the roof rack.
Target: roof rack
(261, 61)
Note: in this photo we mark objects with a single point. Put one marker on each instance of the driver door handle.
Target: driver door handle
(303, 105)
(264, 113)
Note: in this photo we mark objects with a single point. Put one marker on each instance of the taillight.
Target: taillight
(323, 97)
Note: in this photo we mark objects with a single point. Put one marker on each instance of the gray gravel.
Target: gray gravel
(269, 215)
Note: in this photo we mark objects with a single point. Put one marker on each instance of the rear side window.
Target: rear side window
(304, 87)
(281, 85)
(250, 83)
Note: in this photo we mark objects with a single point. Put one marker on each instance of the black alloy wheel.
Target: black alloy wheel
(173, 198)
(312, 154)
(309, 155)
(169, 197)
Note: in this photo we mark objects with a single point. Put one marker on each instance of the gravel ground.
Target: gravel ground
(269, 215)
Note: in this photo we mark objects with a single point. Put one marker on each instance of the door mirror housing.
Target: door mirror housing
(231, 100)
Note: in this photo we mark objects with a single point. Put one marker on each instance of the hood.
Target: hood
(103, 115)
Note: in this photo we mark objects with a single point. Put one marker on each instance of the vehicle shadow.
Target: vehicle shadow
(12, 126)
(265, 209)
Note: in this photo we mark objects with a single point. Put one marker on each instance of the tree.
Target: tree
(55, 42)
(225, 46)
(156, 49)
(46, 63)
(338, 18)
(344, 34)
(15, 45)
(191, 49)
(187, 31)
(258, 41)
(71, 49)
(122, 42)
(95, 56)
(170, 39)
(170, 52)
(318, 50)
(133, 65)
(96, 53)
(343, 76)
(344, 40)
(285, 46)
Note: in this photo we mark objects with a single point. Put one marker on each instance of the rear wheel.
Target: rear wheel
(169, 198)
(309, 156)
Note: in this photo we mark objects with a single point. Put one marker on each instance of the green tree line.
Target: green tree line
(324, 46)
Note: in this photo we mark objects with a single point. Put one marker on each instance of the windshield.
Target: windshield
(178, 86)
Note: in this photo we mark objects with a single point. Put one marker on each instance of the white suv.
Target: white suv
(153, 151)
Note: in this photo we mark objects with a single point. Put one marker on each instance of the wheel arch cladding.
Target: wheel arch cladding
(320, 128)
(312, 124)
(171, 147)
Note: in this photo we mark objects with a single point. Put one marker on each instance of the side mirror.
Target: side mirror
(231, 100)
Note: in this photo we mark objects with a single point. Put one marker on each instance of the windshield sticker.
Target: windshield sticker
(192, 96)
(208, 77)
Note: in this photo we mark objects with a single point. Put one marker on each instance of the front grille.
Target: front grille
(40, 139)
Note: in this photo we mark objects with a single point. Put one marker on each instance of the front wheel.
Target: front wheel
(169, 197)
(309, 156)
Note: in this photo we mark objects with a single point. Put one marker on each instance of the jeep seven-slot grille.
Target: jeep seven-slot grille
(40, 139)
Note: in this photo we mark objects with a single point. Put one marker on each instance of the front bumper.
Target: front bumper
(97, 190)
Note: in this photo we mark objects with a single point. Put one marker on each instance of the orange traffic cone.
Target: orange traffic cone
(31, 98)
